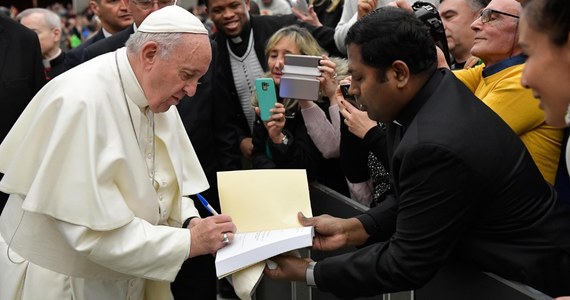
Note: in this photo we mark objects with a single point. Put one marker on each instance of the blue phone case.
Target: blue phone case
(266, 96)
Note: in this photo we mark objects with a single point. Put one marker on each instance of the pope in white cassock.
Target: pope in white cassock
(97, 167)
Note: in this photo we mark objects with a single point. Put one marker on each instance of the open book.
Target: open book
(252, 247)
(260, 201)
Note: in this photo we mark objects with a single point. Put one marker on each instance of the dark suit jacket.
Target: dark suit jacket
(466, 188)
(75, 56)
(21, 74)
(107, 45)
(237, 128)
(57, 66)
(198, 113)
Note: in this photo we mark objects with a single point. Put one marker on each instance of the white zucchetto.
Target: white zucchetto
(171, 19)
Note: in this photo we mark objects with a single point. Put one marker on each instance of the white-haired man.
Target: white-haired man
(47, 25)
(97, 167)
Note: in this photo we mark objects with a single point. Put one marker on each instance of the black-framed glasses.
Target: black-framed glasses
(487, 13)
(148, 4)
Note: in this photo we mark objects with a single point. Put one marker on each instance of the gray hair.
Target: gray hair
(51, 19)
(166, 42)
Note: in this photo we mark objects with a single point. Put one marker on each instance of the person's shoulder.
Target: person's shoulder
(109, 44)
(93, 39)
(280, 20)
(15, 31)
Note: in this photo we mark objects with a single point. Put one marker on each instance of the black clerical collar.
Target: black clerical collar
(503, 64)
(239, 43)
(409, 112)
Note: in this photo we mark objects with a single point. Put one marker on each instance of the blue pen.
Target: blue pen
(207, 205)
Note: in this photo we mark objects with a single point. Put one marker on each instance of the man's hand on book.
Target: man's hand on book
(289, 267)
(334, 233)
(207, 235)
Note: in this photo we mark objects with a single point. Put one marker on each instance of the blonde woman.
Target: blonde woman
(285, 140)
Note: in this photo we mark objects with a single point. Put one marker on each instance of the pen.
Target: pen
(207, 205)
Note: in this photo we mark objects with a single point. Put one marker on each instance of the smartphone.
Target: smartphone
(344, 89)
(305, 65)
(349, 97)
(266, 96)
(301, 5)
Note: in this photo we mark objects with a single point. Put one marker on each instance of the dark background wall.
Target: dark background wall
(23, 4)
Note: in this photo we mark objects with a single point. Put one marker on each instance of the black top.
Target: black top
(75, 56)
(21, 74)
(107, 45)
(56, 67)
(465, 187)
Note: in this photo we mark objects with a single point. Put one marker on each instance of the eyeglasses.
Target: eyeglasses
(486, 15)
(148, 4)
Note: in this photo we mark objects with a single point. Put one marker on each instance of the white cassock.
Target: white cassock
(83, 220)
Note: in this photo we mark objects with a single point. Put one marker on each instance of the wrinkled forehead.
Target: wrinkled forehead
(196, 50)
(508, 6)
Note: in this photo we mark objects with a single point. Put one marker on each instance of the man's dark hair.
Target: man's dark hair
(476, 5)
(551, 17)
(389, 34)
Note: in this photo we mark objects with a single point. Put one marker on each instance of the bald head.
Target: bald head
(496, 36)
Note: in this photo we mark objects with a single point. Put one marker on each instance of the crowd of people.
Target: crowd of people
(117, 117)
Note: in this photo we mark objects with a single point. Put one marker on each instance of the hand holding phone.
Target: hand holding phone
(349, 97)
(266, 96)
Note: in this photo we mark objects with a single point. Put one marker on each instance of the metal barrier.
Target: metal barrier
(454, 281)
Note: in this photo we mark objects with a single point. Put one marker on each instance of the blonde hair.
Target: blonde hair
(308, 45)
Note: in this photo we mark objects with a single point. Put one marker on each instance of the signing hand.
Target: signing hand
(207, 234)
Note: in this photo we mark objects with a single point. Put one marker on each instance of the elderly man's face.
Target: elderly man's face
(49, 37)
(496, 39)
(168, 80)
(229, 16)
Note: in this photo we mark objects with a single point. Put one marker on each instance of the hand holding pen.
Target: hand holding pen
(211, 233)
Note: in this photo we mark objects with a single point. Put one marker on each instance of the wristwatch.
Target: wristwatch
(310, 274)
(285, 139)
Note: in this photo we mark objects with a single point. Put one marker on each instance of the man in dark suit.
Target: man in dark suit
(198, 114)
(114, 17)
(241, 33)
(21, 74)
(465, 186)
(139, 9)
